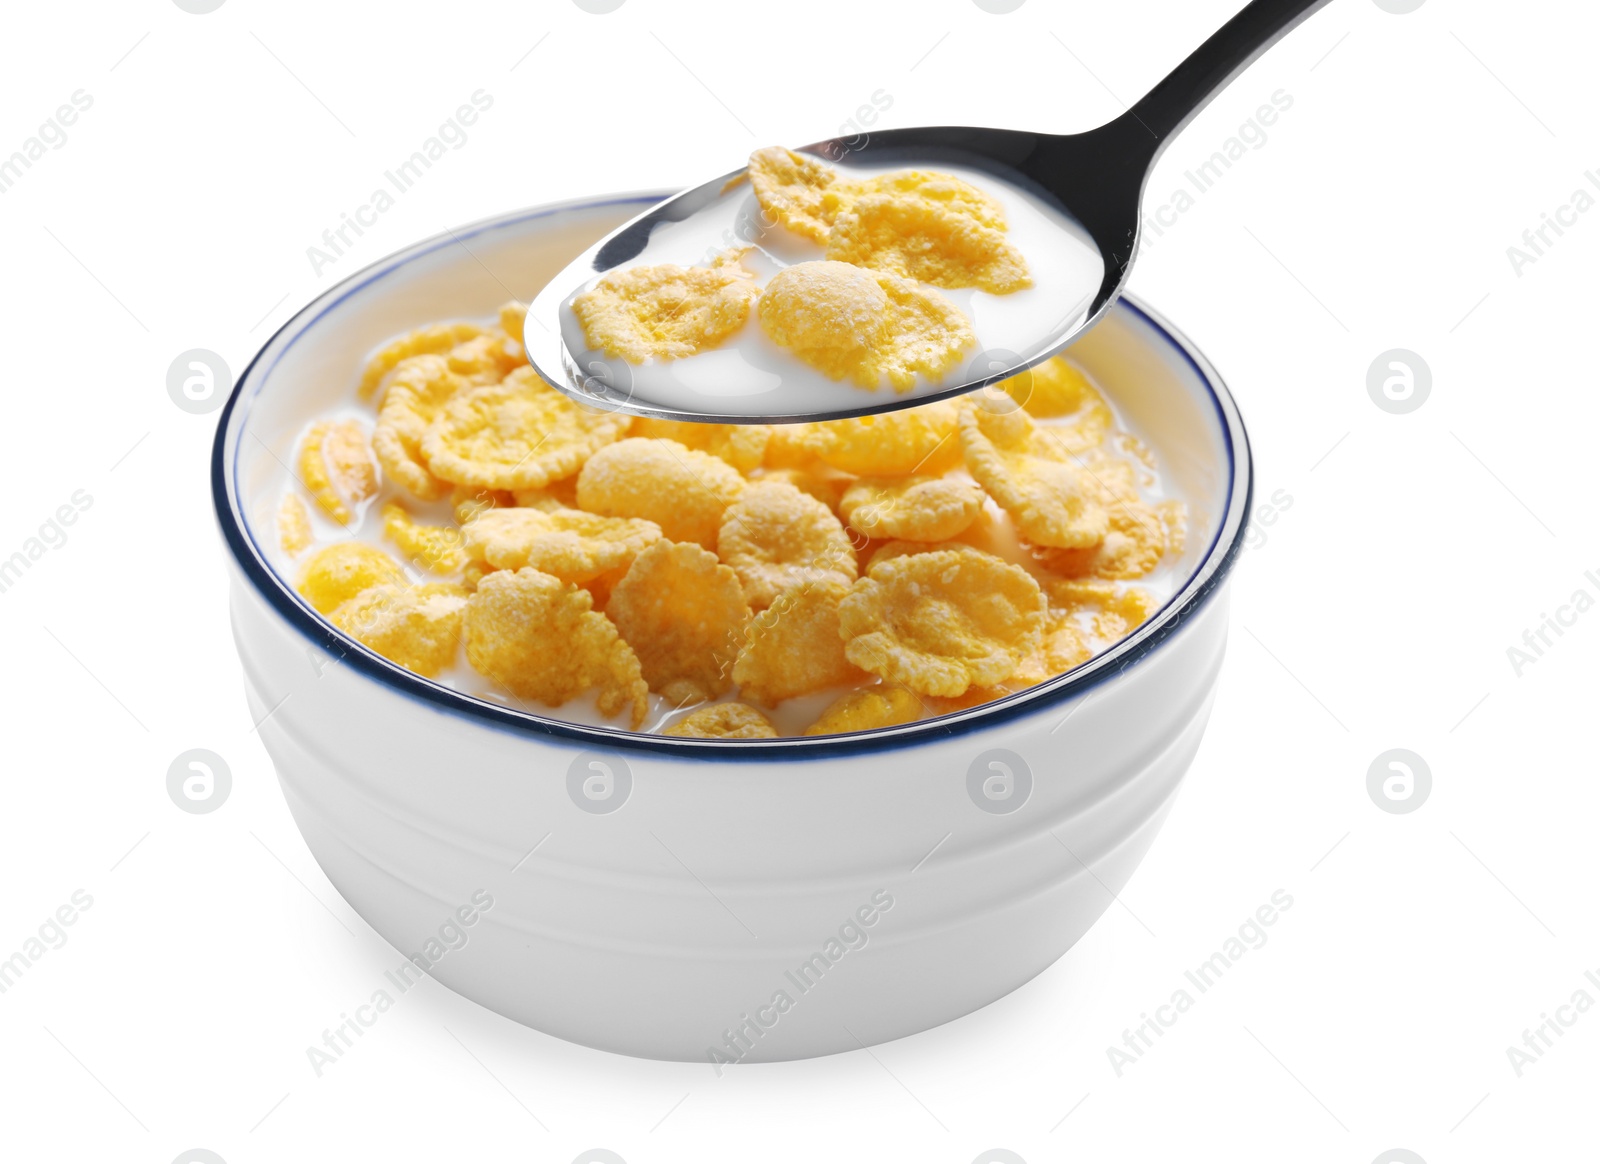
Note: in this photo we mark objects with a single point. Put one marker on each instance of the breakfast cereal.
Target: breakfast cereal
(723, 581)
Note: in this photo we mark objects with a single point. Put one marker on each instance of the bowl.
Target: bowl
(715, 900)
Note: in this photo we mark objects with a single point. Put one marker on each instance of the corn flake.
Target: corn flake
(418, 627)
(1105, 611)
(294, 525)
(1134, 544)
(1059, 389)
(872, 707)
(790, 446)
(665, 311)
(336, 467)
(1053, 501)
(512, 317)
(567, 543)
(724, 721)
(466, 502)
(789, 187)
(539, 638)
(486, 358)
(518, 434)
(861, 325)
(337, 573)
(684, 491)
(684, 614)
(942, 621)
(775, 536)
(925, 439)
(430, 340)
(928, 227)
(436, 548)
(914, 508)
(419, 389)
(794, 648)
(741, 445)
(826, 485)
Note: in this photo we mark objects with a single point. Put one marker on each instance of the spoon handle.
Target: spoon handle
(1187, 90)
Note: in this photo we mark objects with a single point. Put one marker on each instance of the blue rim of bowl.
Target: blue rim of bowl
(1186, 602)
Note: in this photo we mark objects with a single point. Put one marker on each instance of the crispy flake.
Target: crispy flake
(435, 548)
(684, 491)
(684, 614)
(337, 573)
(666, 312)
(724, 721)
(418, 627)
(567, 543)
(1053, 501)
(864, 326)
(518, 434)
(793, 647)
(915, 508)
(539, 638)
(775, 536)
(943, 621)
(869, 708)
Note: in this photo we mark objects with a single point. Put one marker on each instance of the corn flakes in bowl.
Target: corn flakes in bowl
(685, 722)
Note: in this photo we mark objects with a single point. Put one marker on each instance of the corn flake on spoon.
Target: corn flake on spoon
(1091, 182)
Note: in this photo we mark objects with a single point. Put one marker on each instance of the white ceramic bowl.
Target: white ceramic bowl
(724, 899)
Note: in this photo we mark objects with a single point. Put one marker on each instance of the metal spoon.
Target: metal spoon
(1096, 177)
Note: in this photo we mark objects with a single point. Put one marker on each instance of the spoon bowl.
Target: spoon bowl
(1093, 181)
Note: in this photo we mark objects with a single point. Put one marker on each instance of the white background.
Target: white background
(1375, 612)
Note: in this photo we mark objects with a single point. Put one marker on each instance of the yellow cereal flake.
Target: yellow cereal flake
(925, 439)
(789, 187)
(940, 622)
(666, 312)
(418, 391)
(518, 434)
(775, 536)
(430, 340)
(418, 627)
(790, 446)
(724, 721)
(562, 494)
(294, 525)
(1134, 544)
(1115, 478)
(742, 445)
(336, 467)
(539, 638)
(793, 647)
(337, 573)
(486, 358)
(1062, 647)
(1058, 389)
(1174, 516)
(466, 502)
(1104, 610)
(567, 543)
(942, 190)
(888, 551)
(932, 228)
(826, 485)
(512, 317)
(1049, 496)
(914, 508)
(864, 710)
(436, 548)
(861, 325)
(684, 614)
(682, 490)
